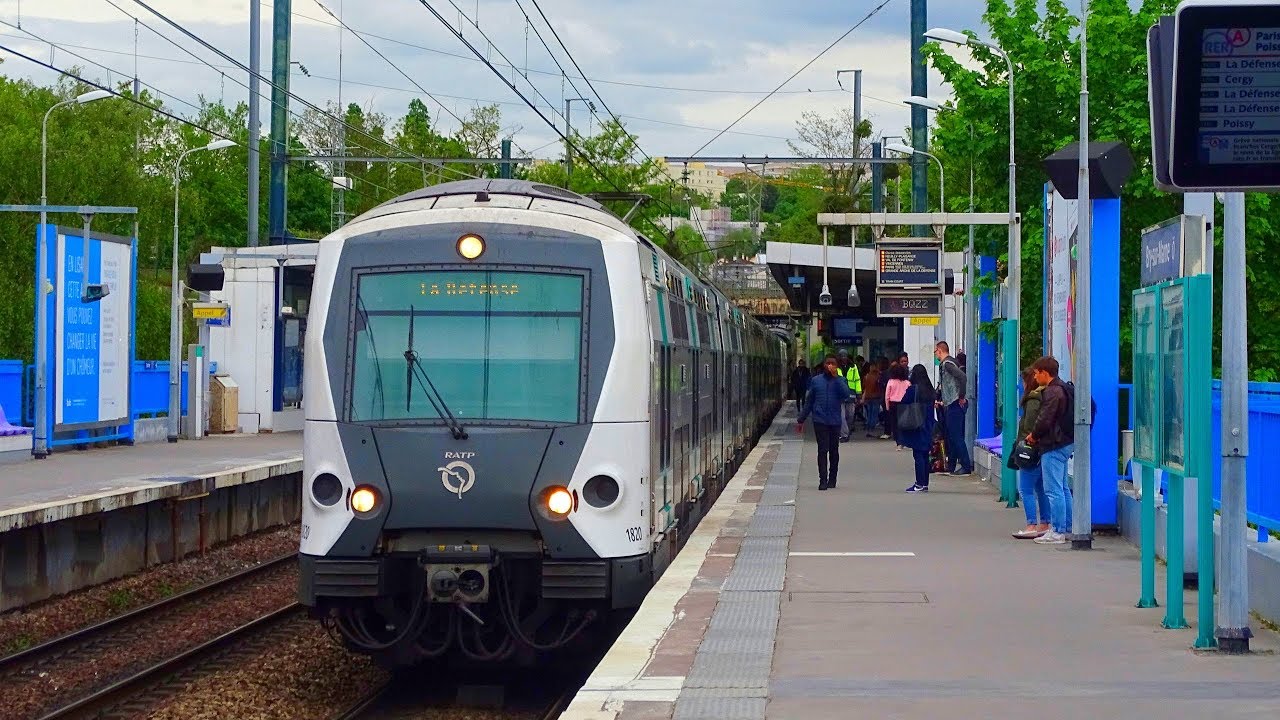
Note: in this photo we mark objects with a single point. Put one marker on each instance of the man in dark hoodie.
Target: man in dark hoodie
(825, 399)
(1055, 435)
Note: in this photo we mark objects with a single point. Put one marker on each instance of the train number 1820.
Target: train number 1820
(635, 534)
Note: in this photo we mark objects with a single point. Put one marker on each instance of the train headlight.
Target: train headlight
(470, 246)
(364, 499)
(559, 501)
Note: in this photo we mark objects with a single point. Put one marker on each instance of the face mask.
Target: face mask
(936, 361)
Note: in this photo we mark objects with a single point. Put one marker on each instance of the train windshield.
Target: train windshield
(497, 345)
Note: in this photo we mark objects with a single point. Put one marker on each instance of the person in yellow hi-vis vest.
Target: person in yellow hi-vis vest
(849, 371)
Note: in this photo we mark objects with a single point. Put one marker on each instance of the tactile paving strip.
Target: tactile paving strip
(730, 675)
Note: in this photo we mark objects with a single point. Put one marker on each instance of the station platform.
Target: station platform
(867, 602)
(72, 483)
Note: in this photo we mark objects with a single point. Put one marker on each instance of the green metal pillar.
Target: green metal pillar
(1174, 615)
(1197, 301)
(504, 170)
(278, 192)
(1009, 416)
(1148, 537)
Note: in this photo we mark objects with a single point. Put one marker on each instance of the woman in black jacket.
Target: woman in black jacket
(919, 439)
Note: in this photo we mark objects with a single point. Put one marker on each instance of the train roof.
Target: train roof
(494, 186)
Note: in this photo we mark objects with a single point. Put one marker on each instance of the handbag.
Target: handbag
(910, 416)
(1025, 456)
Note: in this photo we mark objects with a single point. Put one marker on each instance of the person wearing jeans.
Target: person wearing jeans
(1054, 434)
(1031, 480)
(827, 393)
(951, 381)
(920, 439)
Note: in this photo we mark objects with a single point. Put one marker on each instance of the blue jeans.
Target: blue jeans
(1057, 487)
(1034, 502)
(873, 414)
(957, 451)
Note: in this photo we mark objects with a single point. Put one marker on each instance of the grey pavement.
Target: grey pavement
(978, 624)
(71, 474)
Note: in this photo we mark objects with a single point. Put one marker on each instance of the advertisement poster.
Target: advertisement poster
(92, 343)
(1061, 224)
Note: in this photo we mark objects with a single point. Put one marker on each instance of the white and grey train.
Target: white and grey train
(517, 411)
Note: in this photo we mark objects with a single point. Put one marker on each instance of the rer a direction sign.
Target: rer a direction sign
(907, 305)
(909, 264)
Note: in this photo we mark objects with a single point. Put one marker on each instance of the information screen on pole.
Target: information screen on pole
(91, 343)
(909, 264)
(1226, 96)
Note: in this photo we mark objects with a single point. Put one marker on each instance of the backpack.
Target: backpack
(1071, 396)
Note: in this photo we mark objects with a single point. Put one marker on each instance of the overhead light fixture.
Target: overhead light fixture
(924, 102)
(900, 148)
(93, 95)
(948, 36)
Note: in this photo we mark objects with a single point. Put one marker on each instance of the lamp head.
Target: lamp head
(219, 144)
(947, 36)
(93, 95)
(924, 102)
(900, 148)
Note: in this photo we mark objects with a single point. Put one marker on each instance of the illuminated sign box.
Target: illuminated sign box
(909, 264)
(905, 305)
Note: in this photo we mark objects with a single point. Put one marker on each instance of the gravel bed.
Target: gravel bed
(309, 677)
(78, 673)
(24, 627)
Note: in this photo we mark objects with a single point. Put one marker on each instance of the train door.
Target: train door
(696, 384)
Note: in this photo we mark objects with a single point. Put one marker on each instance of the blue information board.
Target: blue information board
(91, 344)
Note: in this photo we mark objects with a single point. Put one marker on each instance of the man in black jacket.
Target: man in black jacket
(1055, 435)
(800, 378)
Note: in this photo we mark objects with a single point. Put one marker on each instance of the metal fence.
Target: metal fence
(149, 390)
(1262, 481)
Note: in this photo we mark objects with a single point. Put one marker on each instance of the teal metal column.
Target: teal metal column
(276, 208)
(1197, 303)
(504, 170)
(1174, 616)
(1009, 416)
(1148, 537)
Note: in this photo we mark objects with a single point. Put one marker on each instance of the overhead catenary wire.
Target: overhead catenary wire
(135, 101)
(874, 11)
(270, 83)
(498, 73)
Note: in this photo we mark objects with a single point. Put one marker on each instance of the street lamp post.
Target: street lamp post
(175, 300)
(942, 179)
(40, 443)
(1013, 307)
(971, 274)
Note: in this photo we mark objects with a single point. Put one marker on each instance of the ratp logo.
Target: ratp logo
(457, 477)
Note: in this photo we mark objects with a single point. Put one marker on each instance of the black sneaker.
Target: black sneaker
(918, 489)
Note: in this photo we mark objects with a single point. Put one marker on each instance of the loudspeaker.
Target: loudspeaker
(1110, 164)
(205, 278)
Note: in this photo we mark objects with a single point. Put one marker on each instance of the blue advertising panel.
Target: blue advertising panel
(91, 344)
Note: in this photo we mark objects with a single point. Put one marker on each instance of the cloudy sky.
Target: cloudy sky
(677, 71)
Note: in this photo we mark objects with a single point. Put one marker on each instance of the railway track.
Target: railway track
(132, 696)
(373, 704)
(70, 659)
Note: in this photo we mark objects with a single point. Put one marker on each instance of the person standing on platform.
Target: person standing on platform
(1054, 434)
(872, 398)
(894, 391)
(951, 382)
(919, 439)
(849, 412)
(800, 378)
(1031, 480)
(826, 396)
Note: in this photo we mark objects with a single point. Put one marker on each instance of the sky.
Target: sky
(707, 61)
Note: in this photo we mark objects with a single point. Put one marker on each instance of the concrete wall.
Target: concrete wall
(1264, 558)
(53, 558)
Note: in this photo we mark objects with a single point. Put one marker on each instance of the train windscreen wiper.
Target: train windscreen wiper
(414, 371)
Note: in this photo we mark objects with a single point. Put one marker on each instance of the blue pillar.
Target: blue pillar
(1105, 364)
(986, 359)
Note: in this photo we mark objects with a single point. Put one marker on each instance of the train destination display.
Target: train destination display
(1240, 91)
(900, 264)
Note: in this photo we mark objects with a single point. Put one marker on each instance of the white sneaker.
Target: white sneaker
(1051, 538)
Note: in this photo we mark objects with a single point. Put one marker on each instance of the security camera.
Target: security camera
(854, 299)
(824, 297)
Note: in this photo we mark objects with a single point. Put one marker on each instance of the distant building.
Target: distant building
(701, 178)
